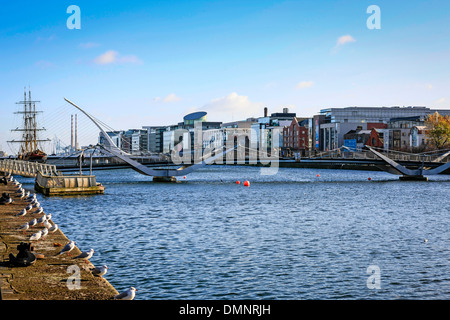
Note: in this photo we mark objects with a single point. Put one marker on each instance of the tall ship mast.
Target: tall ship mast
(30, 144)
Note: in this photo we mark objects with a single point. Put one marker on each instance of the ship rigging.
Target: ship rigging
(30, 144)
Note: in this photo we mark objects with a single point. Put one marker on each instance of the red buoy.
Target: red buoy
(247, 183)
(370, 178)
(318, 175)
(238, 182)
(184, 177)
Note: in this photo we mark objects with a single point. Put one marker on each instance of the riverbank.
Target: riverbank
(52, 276)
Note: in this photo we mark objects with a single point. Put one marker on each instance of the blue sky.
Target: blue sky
(136, 63)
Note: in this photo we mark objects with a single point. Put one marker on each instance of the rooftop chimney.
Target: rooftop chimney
(265, 112)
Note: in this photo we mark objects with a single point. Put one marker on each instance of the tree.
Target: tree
(438, 129)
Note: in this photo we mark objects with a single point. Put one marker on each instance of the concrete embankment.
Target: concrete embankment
(51, 276)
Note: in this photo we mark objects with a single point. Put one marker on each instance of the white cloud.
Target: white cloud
(171, 98)
(107, 58)
(112, 56)
(429, 86)
(234, 107)
(345, 39)
(304, 84)
(441, 100)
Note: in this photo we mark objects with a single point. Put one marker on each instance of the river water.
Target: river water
(290, 236)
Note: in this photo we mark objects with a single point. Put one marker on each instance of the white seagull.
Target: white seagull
(29, 207)
(38, 211)
(126, 295)
(42, 219)
(36, 236)
(49, 216)
(32, 223)
(22, 213)
(86, 255)
(53, 228)
(24, 227)
(100, 271)
(44, 233)
(68, 247)
(47, 224)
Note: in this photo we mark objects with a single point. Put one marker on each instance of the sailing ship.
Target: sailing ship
(30, 144)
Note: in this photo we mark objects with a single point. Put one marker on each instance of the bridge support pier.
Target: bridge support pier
(413, 178)
(164, 179)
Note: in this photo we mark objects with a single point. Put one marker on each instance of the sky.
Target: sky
(142, 63)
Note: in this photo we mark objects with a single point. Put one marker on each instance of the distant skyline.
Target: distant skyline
(146, 63)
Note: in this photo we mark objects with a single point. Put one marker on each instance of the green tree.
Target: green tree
(438, 129)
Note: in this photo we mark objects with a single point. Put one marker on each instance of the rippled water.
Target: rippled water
(292, 235)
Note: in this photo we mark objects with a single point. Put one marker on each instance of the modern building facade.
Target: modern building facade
(339, 121)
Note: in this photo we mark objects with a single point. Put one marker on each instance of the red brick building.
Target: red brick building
(295, 138)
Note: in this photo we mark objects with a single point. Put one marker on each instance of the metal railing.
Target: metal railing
(26, 168)
(45, 181)
(342, 153)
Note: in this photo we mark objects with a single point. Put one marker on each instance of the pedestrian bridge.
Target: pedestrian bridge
(408, 166)
(26, 168)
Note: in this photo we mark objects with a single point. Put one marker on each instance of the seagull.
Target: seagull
(36, 205)
(49, 216)
(68, 247)
(36, 236)
(32, 223)
(42, 219)
(53, 228)
(40, 210)
(22, 213)
(24, 227)
(425, 240)
(9, 201)
(86, 255)
(44, 232)
(47, 224)
(126, 295)
(27, 194)
(29, 207)
(100, 271)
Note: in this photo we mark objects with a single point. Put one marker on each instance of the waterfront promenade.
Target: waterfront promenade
(52, 276)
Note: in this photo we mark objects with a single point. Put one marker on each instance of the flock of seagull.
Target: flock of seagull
(34, 208)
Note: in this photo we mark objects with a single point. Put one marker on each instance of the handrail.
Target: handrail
(26, 168)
